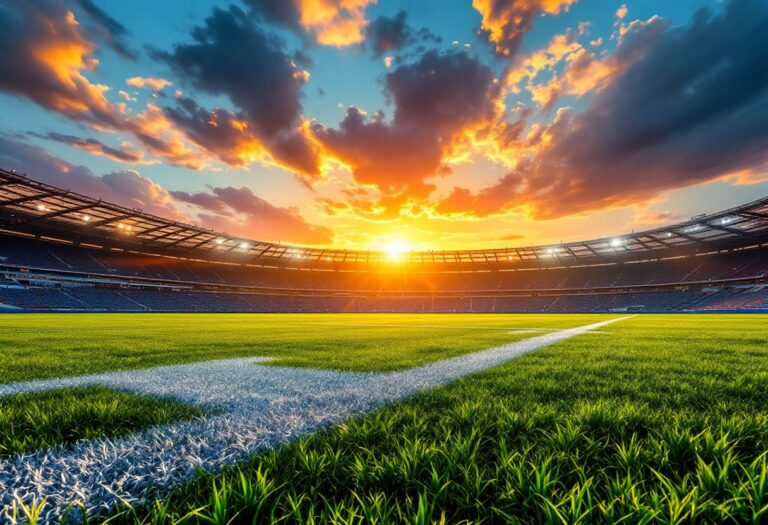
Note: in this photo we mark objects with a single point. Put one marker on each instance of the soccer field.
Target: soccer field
(653, 418)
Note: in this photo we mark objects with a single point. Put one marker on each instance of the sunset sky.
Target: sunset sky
(435, 124)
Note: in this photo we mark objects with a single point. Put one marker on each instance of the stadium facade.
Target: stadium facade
(61, 251)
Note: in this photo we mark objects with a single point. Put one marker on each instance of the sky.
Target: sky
(422, 124)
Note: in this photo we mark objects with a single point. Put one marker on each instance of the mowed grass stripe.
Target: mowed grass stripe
(37, 420)
(661, 419)
(37, 346)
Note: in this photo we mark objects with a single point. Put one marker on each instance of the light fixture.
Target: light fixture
(86, 218)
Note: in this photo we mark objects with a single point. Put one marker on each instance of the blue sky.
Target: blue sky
(500, 124)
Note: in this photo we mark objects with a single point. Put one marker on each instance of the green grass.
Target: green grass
(55, 345)
(35, 420)
(660, 419)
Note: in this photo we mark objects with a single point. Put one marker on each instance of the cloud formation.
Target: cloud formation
(108, 29)
(691, 106)
(231, 55)
(336, 23)
(506, 22)
(239, 211)
(439, 100)
(392, 34)
(153, 83)
(45, 59)
(125, 153)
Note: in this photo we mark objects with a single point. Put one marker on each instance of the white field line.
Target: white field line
(263, 406)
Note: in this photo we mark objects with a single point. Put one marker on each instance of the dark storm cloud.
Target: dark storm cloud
(283, 12)
(112, 32)
(233, 56)
(442, 91)
(391, 34)
(436, 100)
(693, 107)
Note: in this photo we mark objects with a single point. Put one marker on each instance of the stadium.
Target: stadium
(387, 262)
(67, 252)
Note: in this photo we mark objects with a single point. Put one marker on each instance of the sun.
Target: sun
(396, 248)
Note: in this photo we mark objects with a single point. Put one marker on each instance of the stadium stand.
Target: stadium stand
(62, 251)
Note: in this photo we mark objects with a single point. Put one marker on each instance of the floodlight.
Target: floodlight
(86, 218)
(615, 243)
(244, 245)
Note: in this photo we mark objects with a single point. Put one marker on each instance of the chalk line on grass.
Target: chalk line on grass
(261, 407)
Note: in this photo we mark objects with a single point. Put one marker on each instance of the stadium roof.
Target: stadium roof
(31, 207)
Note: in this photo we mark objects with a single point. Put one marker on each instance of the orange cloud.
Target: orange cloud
(444, 105)
(527, 68)
(584, 74)
(336, 23)
(46, 63)
(155, 84)
(506, 22)
(240, 212)
(644, 133)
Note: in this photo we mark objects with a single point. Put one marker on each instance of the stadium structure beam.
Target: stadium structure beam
(53, 214)
(167, 234)
(188, 237)
(202, 243)
(643, 243)
(658, 240)
(594, 252)
(28, 198)
(154, 229)
(753, 215)
(730, 230)
(686, 236)
(108, 220)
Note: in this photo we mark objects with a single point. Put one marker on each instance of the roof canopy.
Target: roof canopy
(28, 206)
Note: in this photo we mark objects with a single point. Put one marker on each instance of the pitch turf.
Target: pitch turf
(35, 420)
(655, 419)
(659, 419)
(54, 345)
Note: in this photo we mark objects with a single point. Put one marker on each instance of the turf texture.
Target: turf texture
(55, 345)
(656, 419)
(35, 420)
